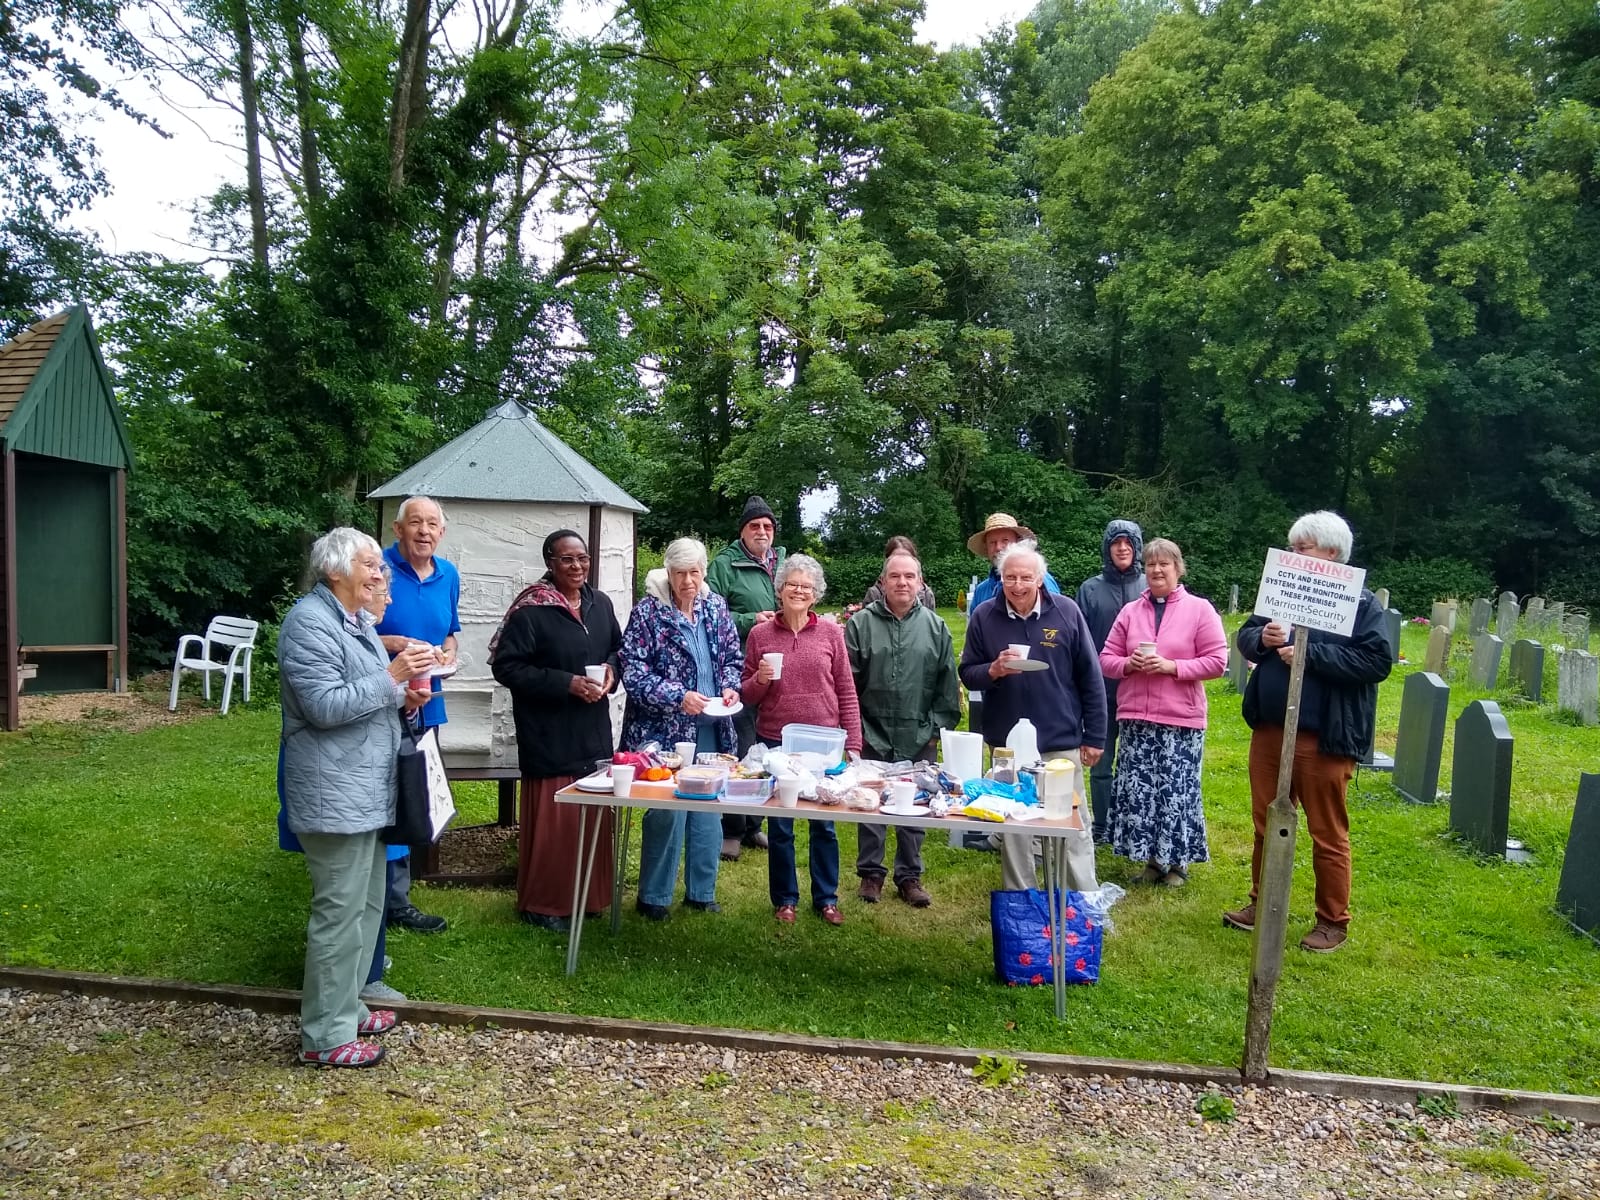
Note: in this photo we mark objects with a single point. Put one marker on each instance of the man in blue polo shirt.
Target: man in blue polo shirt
(425, 601)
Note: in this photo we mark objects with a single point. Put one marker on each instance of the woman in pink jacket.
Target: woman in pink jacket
(1163, 647)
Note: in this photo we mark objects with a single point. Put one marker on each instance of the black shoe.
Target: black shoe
(654, 912)
(418, 922)
(545, 921)
(754, 840)
(710, 906)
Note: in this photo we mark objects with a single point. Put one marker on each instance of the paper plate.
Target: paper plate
(716, 708)
(916, 810)
(1026, 664)
(445, 670)
(600, 781)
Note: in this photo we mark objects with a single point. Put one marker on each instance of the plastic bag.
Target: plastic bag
(1021, 927)
(1099, 902)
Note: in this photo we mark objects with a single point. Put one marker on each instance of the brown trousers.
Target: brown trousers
(548, 854)
(1318, 786)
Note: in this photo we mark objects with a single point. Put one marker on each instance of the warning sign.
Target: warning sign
(1316, 593)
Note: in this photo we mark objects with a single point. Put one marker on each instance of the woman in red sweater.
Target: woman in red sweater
(815, 687)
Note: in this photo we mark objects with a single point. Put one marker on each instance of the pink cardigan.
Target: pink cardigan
(1191, 636)
(816, 687)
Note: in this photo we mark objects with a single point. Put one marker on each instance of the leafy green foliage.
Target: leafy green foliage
(1214, 1106)
(997, 1070)
(1442, 1106)
(1417, 582)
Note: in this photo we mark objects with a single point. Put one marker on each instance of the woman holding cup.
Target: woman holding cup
(1163, 647)
(680, 653)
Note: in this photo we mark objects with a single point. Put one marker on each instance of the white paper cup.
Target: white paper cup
(621, 780)
(788, 790)
(775, 661)
(685, 751)
(598, 674)
(1147, 648)
(1020, 649)
(904, 793)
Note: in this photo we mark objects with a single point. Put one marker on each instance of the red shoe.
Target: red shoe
(831, 914)
(785, 913)
(379, 1020)
(351, 1054)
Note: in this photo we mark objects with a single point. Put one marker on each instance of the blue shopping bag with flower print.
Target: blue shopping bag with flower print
(1021, 923)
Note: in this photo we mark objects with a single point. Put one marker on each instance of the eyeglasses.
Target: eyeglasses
(1017, 580)
(761, 526)
(572, 560)
(800, 589)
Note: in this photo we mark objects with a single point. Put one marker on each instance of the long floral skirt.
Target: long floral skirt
(1156, 815)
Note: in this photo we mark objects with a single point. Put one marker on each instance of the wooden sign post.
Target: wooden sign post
(1305, 593)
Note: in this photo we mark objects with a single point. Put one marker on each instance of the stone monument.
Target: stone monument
(1419, 747)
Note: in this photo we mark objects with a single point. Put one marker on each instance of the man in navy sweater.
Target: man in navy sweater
(1066, 701)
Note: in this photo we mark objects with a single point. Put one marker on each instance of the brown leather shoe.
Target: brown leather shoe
(1324, 938)
(914, 894)
(831, 914)
(785, 913)
(871, 888)
(1241, 918)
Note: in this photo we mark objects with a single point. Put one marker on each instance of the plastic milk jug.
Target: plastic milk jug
(1024, 740)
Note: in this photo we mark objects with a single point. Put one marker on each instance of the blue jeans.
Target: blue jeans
(782, 882)
(665, 834)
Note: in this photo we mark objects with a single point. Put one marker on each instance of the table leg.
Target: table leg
(580, 891)
(619, 851)
(1055, 866)
(508, 802)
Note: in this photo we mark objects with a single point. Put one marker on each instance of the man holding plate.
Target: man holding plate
(425, 603)
(904, 663)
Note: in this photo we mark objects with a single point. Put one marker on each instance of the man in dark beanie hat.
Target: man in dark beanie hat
(742, 574)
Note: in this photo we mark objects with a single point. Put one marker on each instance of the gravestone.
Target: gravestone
(1233, 597)
(1578, 685)
(1382, 596)
(1527, 668)
(1480, 778)
(1424, 704)
(1575, 631)
(1506, 616)
(1485, 668)
(1533, 614)
(1238, 669)
(1392, 622)
(1437, 658)
(1482, 611)
(1578, 895)
(1442, 617)
(1555, 618)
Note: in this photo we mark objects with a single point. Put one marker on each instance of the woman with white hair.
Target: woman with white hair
(679, 653)
(1338, 707)
(341, 731)
(816, 687)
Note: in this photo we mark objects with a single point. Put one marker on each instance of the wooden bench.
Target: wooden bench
(109, 649)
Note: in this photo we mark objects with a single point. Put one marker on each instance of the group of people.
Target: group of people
(1120, 692)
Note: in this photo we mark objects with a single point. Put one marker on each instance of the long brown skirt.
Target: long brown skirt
(548, 855)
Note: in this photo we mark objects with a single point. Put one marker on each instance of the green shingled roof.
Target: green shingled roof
(508, 456)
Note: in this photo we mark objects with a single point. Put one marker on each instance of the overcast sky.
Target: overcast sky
(155, 181)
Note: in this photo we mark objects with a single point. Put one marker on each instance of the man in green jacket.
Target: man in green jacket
(904, 663)
(742, 575)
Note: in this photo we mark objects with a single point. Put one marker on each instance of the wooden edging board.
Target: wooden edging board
(1316, 1083)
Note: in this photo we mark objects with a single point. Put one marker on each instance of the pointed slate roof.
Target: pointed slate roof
(508, 456)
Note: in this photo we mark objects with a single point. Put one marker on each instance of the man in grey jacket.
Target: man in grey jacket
(1102, 597)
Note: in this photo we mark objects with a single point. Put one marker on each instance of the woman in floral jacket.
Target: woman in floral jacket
(680, 652)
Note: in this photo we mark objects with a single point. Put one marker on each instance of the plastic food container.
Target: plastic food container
(701, 783)
(748, 791)
(827, 744)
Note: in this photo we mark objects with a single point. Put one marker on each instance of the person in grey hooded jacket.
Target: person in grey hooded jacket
(1101, 597)
(341, 732)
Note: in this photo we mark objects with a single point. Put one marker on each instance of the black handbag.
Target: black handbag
(412, 826)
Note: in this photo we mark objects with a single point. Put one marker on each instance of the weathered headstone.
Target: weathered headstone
(1418, 748)
(1233, 597)
(1482, 611)
(1485, 668)
(1437, 659)
(1506, 616)
(1238, 669)
(1578, 685)
(1382, 596)
(1527, 668)
(1575, 631)
(1533, 614)
(1480, 778)
(1392, 622)
(1578, 895)
(1441, 617)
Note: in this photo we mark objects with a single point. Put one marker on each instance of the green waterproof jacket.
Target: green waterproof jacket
(905, 670)
(744, 584)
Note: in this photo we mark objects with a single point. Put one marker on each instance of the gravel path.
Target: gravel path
(100, 1098)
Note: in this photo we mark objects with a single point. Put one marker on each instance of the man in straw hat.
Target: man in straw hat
(999, 531)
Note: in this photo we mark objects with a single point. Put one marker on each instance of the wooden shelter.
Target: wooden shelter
(64, 459)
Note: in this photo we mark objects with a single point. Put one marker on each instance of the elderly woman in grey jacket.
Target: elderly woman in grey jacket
(341, 731)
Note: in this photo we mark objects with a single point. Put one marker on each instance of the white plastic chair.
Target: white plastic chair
(236, 632)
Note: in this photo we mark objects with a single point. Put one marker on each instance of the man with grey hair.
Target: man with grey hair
(1338, 708)
(1065, 700)
(425, 604)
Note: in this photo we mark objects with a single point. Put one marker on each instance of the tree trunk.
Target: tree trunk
(255, 189)
(291, 16)
(410, 90)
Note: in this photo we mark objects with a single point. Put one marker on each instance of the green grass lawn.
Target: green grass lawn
(155, 854)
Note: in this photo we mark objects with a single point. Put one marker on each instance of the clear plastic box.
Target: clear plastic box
(827, 744)
(702, 783)
(748, 791)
